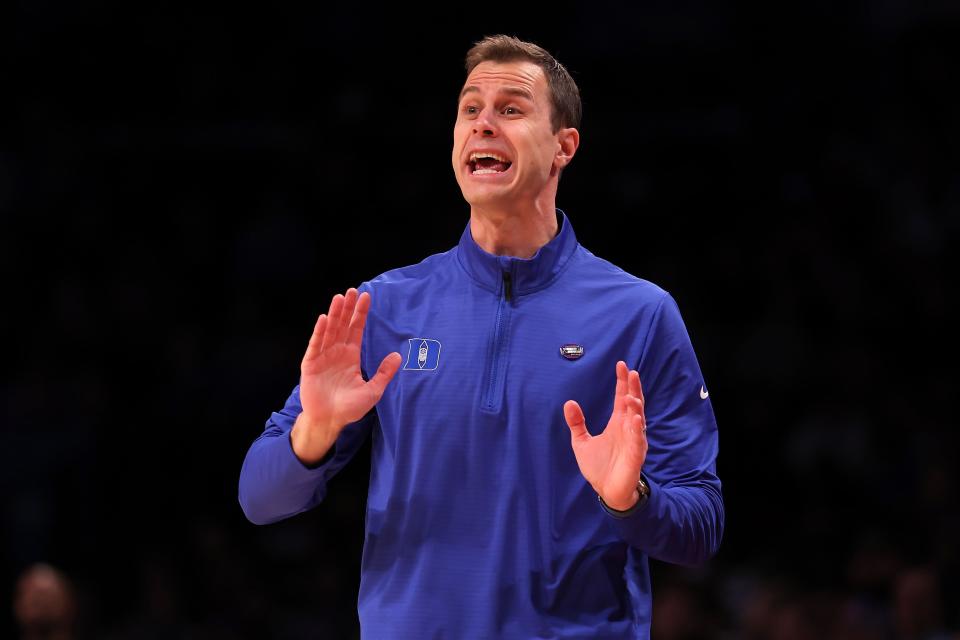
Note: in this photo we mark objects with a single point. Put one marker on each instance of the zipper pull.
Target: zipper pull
(507, 288)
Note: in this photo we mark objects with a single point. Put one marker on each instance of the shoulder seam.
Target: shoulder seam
(656, 316)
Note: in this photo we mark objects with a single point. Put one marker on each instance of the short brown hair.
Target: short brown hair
(564, 93)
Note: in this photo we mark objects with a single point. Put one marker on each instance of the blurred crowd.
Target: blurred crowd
(884, 599)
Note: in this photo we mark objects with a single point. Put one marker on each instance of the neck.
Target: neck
(516, 233)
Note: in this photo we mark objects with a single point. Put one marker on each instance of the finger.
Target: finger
(639, 438)
(575, 420)
(634, 404)
(355, 333)
(385, 372)
(349, 304)
(333, 317)
(633, 385)
(313, 347)
(621, 387)
(640, 425)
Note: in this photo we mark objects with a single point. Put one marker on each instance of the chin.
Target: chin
(487, 197)
(486, 194)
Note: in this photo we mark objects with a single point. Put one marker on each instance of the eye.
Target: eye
(510, 111)
(471, 110)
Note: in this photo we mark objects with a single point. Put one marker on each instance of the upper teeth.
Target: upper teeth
(476, 155)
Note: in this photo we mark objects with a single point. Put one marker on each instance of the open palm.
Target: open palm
(333, 392)
(611, 462)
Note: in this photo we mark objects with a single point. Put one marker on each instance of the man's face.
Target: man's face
(504, 148)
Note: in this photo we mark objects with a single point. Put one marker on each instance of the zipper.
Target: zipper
(496, 371)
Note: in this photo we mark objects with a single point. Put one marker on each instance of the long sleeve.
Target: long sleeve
(682, 521)
(274, 484)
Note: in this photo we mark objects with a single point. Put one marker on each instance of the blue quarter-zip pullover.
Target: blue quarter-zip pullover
(479, 523)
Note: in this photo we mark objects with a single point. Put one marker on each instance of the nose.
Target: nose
(484, 125)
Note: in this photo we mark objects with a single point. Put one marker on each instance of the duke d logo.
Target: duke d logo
(423, 354)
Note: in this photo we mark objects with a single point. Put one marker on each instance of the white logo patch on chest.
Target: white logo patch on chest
(423, 354)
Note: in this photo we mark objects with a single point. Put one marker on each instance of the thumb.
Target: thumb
(388, 368)
(575, 420)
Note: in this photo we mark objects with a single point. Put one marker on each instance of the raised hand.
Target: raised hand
(333, 393)
(611, 462)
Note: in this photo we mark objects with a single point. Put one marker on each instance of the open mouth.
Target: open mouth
(487, 163)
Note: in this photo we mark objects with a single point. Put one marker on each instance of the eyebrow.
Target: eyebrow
(513, 91)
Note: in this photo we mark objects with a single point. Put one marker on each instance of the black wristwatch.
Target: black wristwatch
(642, 488)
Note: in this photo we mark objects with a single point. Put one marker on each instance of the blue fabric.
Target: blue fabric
(479, 523)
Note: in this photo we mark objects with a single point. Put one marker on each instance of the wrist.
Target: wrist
(622, 505)
(639, 498)
(311, 441)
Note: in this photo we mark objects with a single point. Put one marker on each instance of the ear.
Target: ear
(569, 140)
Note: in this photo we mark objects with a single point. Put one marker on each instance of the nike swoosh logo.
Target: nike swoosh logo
(703, 393)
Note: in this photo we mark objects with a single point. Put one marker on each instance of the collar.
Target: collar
(526, 275)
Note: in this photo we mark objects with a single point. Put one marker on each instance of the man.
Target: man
(44, 604)
(486, 516)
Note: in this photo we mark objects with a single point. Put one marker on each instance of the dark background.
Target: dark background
(183, 190)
